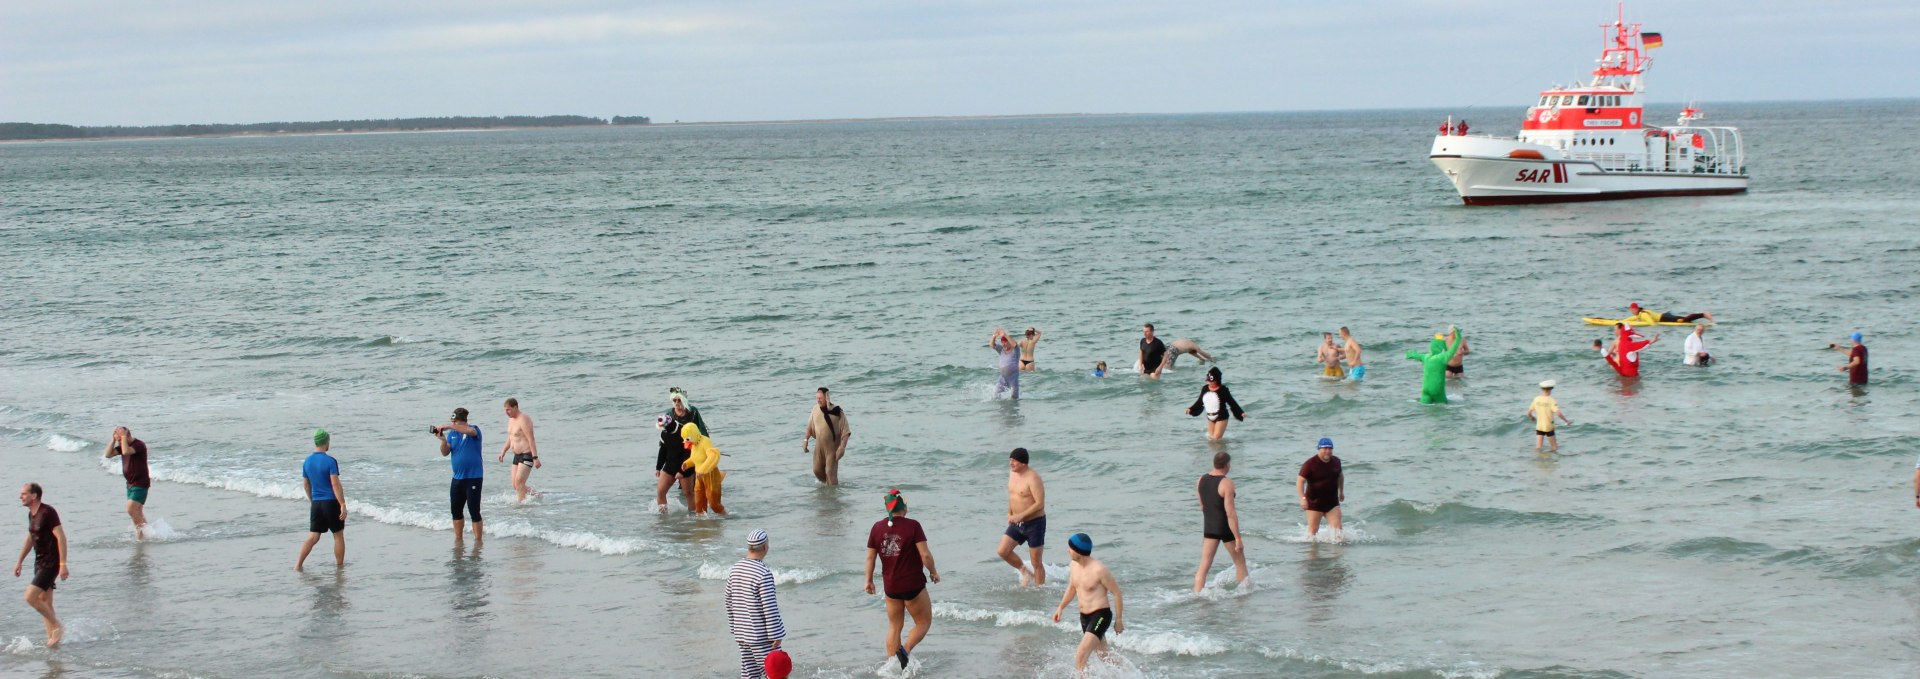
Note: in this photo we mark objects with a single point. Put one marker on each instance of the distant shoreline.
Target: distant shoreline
(503, 128)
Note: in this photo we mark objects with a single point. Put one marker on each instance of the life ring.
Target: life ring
(1547, 115)
(1633, 118)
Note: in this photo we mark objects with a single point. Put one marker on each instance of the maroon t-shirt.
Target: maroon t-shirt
(1323, 482)
(1859, 374)
(46, 548)
(901, 570)
(133, 465)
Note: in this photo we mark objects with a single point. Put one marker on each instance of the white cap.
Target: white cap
(1549, 384)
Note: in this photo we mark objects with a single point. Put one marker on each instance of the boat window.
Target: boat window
(1582, 101)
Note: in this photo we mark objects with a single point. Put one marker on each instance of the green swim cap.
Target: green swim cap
(320, 437)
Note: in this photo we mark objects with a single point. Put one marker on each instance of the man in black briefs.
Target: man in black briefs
(1221, 522)
(1152, 353)
(1089, 582)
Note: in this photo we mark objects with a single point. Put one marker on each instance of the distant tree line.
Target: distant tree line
(55, 131)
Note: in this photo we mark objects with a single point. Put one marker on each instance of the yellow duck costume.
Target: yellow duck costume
(704, 460)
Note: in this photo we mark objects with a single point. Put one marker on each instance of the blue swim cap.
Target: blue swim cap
(1325, 443)
(1857, 337)
(1081, 543)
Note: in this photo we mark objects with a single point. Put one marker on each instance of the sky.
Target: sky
(96, 62)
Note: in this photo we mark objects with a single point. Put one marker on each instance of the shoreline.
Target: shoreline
(798, 121)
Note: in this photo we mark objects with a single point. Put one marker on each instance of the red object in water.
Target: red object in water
(778, 664)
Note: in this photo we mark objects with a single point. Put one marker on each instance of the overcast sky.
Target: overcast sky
(94, 62)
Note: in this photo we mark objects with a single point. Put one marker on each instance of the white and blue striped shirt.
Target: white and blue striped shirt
(753, 613)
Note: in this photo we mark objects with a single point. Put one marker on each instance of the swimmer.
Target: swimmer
(1329, 357)
(1641, 316)
(1089, 582)
(1026, 349)
(1542, 411)
(1322, 487)
(1153, 353)
(1215, 401)
(1220, 522)
(1356, 367)
(1185, 346)
(526, 456)
(1457, 366)
(1009, 351)
(1099, 368)
(1026, 519)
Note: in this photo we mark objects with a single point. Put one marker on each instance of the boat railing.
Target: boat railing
(1719, 151)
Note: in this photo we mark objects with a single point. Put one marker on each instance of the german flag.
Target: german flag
(1650, 40)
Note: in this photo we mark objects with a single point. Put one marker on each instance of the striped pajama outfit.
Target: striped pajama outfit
(753, 615)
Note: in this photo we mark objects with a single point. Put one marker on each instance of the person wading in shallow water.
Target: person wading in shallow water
(900, 545)
(48, 542)
(826, 424)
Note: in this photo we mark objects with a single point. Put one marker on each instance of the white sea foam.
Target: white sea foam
(1138, 641)
(1348, 535)
(1461, 670)
(18, 646)
(157, 529)
(66, 444)
(781, 576)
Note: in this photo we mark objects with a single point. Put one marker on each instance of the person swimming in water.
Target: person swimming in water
(1329, 357)
(1185, 346)
(1216, 402)
(1639, 316)
(1009, 351)
(1099, 368)
(1026, 349)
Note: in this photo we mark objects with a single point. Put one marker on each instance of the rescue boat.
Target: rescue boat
(1589, 142)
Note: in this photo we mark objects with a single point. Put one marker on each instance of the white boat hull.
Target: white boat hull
(1484, 174)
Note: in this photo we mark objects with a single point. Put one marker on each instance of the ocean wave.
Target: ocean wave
(1459, 670)
(1138, 641)
(781, 576)
(62, 443)
(1408, 517)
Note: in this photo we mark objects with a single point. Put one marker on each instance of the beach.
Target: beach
(225, 297)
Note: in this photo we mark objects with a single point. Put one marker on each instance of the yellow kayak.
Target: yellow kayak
(1636, 322)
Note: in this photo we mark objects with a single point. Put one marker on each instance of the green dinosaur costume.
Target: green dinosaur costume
(1433, 379)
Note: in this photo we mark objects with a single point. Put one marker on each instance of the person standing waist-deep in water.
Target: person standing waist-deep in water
(1543, 409)
(1328, 356)
(1351, 350)
(753, 607)
(1026, 519)
(1220, 522)
(133, 466)
(1026, 349)
(1009, 352)
(1215, 402)
(320, 474)
(1856, 365)
(1089, 582)
(826, 424)
(526, 454)
(669, 467)
(1153, 353)
(900, 545)
(1322, 487)
(1696, 348)
(48, 542)
(1457, 366)
(460, 444)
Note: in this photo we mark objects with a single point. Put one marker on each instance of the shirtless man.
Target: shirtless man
(1090, 581)
(1329, 357)
(1457, 366)
(1026, 349)
(1356, 368)
(526, 455)
(1185, 346)
(1026, 519)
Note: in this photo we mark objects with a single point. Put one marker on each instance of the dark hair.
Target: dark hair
(1345, 330)
(1149, 326)
(459, 414)
(512, 403)
(36, 490)
(1019, 454)
(1221, 459)
(822, 390)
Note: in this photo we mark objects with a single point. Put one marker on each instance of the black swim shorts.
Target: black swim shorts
(1032, 533)
(523, 458)
(45, 577)
(1457, 369)
(906, 596)
(1097, 622)
(1544, 433)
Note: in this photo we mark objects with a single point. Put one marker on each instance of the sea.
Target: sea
(223, 298)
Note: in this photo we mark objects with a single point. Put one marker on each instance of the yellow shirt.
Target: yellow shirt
(1543, 409)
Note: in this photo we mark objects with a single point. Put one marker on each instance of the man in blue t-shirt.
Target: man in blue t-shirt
(461, 443)
(321, 475)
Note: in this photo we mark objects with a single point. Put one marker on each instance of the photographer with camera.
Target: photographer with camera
(460, 443)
